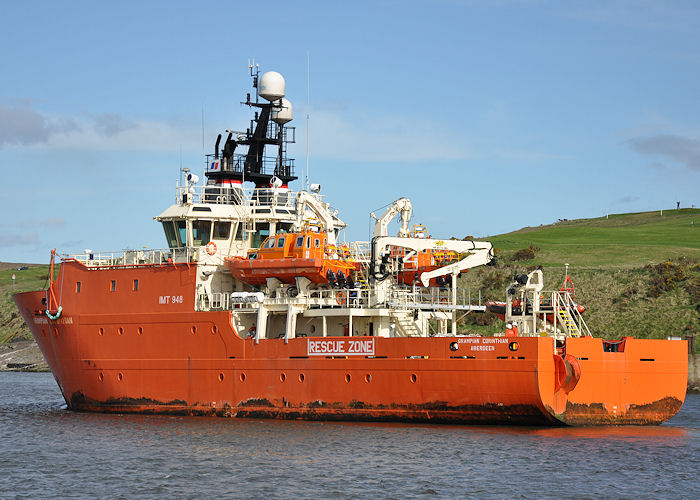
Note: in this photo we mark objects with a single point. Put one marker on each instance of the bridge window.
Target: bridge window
(222, 230)
(181, 227)
(201, 231)
(259, 236)
(170, 234)
(239, 232)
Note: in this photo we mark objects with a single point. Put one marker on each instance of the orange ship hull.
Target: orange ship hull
(145, 350)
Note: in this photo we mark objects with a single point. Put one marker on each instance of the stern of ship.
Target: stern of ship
(631, 381)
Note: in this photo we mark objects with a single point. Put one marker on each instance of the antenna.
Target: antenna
(308, 132)
(254, 72)
(204, 156)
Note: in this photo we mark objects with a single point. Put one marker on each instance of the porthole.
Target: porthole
(101, 331)
(214, 329)
(368, 378)
(121, 331)
(347, 377)
(101, 377)
(194, 330)
(413, 378)
(120, 377)
(140, 330)
(242, 377)
(301, 377)
(283, 377)
(221, 377)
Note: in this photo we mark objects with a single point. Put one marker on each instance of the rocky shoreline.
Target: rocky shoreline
(22, 356)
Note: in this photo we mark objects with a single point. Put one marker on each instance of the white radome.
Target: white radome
(271, 86)
(282, 112)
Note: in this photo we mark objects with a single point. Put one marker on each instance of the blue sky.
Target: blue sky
(489, 115)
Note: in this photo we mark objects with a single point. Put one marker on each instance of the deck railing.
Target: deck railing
(352, 298)
(133, 258)
(436, 298)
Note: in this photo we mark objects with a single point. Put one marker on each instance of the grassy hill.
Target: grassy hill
(638, 274)
(34, 278)
(616, 241)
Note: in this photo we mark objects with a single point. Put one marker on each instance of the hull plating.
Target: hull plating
(130, 351)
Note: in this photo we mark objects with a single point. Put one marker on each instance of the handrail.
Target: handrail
(572, 309)
(435, 296)
(134, 258)
(239, 195)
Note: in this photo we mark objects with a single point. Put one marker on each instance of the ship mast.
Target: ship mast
(229, 168)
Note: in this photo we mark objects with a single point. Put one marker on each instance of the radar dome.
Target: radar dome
(271, 86)
(282, 112)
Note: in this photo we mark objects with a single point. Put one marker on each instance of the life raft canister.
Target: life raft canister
(211, 248)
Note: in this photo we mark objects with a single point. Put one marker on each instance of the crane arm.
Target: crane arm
(479, 253)
(305, 199)
(402, 206)
(479, 256)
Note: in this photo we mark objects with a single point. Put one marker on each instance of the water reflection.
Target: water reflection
(180, 456)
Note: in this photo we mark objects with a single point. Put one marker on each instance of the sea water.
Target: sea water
(48, 451)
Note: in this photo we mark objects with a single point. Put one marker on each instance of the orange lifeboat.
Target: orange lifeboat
(289, 255)
(416, 263)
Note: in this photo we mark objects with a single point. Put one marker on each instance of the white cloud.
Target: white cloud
(13, 239)
(125, 135)
(50, 222)
(21, 125)
(675, 147)
(24, 127)
(337, 133)
(381, 138)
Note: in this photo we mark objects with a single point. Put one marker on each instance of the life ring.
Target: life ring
(340, 298)
(211, 248)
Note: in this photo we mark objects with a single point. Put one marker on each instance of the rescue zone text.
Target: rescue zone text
(340, 347)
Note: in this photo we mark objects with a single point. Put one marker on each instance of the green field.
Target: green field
(11, 323)
(637, 274)
(618, 241)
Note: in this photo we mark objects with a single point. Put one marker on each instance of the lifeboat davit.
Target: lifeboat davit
(299, 254)
(417, 263)
(499, 309)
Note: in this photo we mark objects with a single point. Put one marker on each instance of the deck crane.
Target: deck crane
(322, 211)
(402, 206)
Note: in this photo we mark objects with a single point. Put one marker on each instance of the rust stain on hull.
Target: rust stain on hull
(596, 413)
(433, 412)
